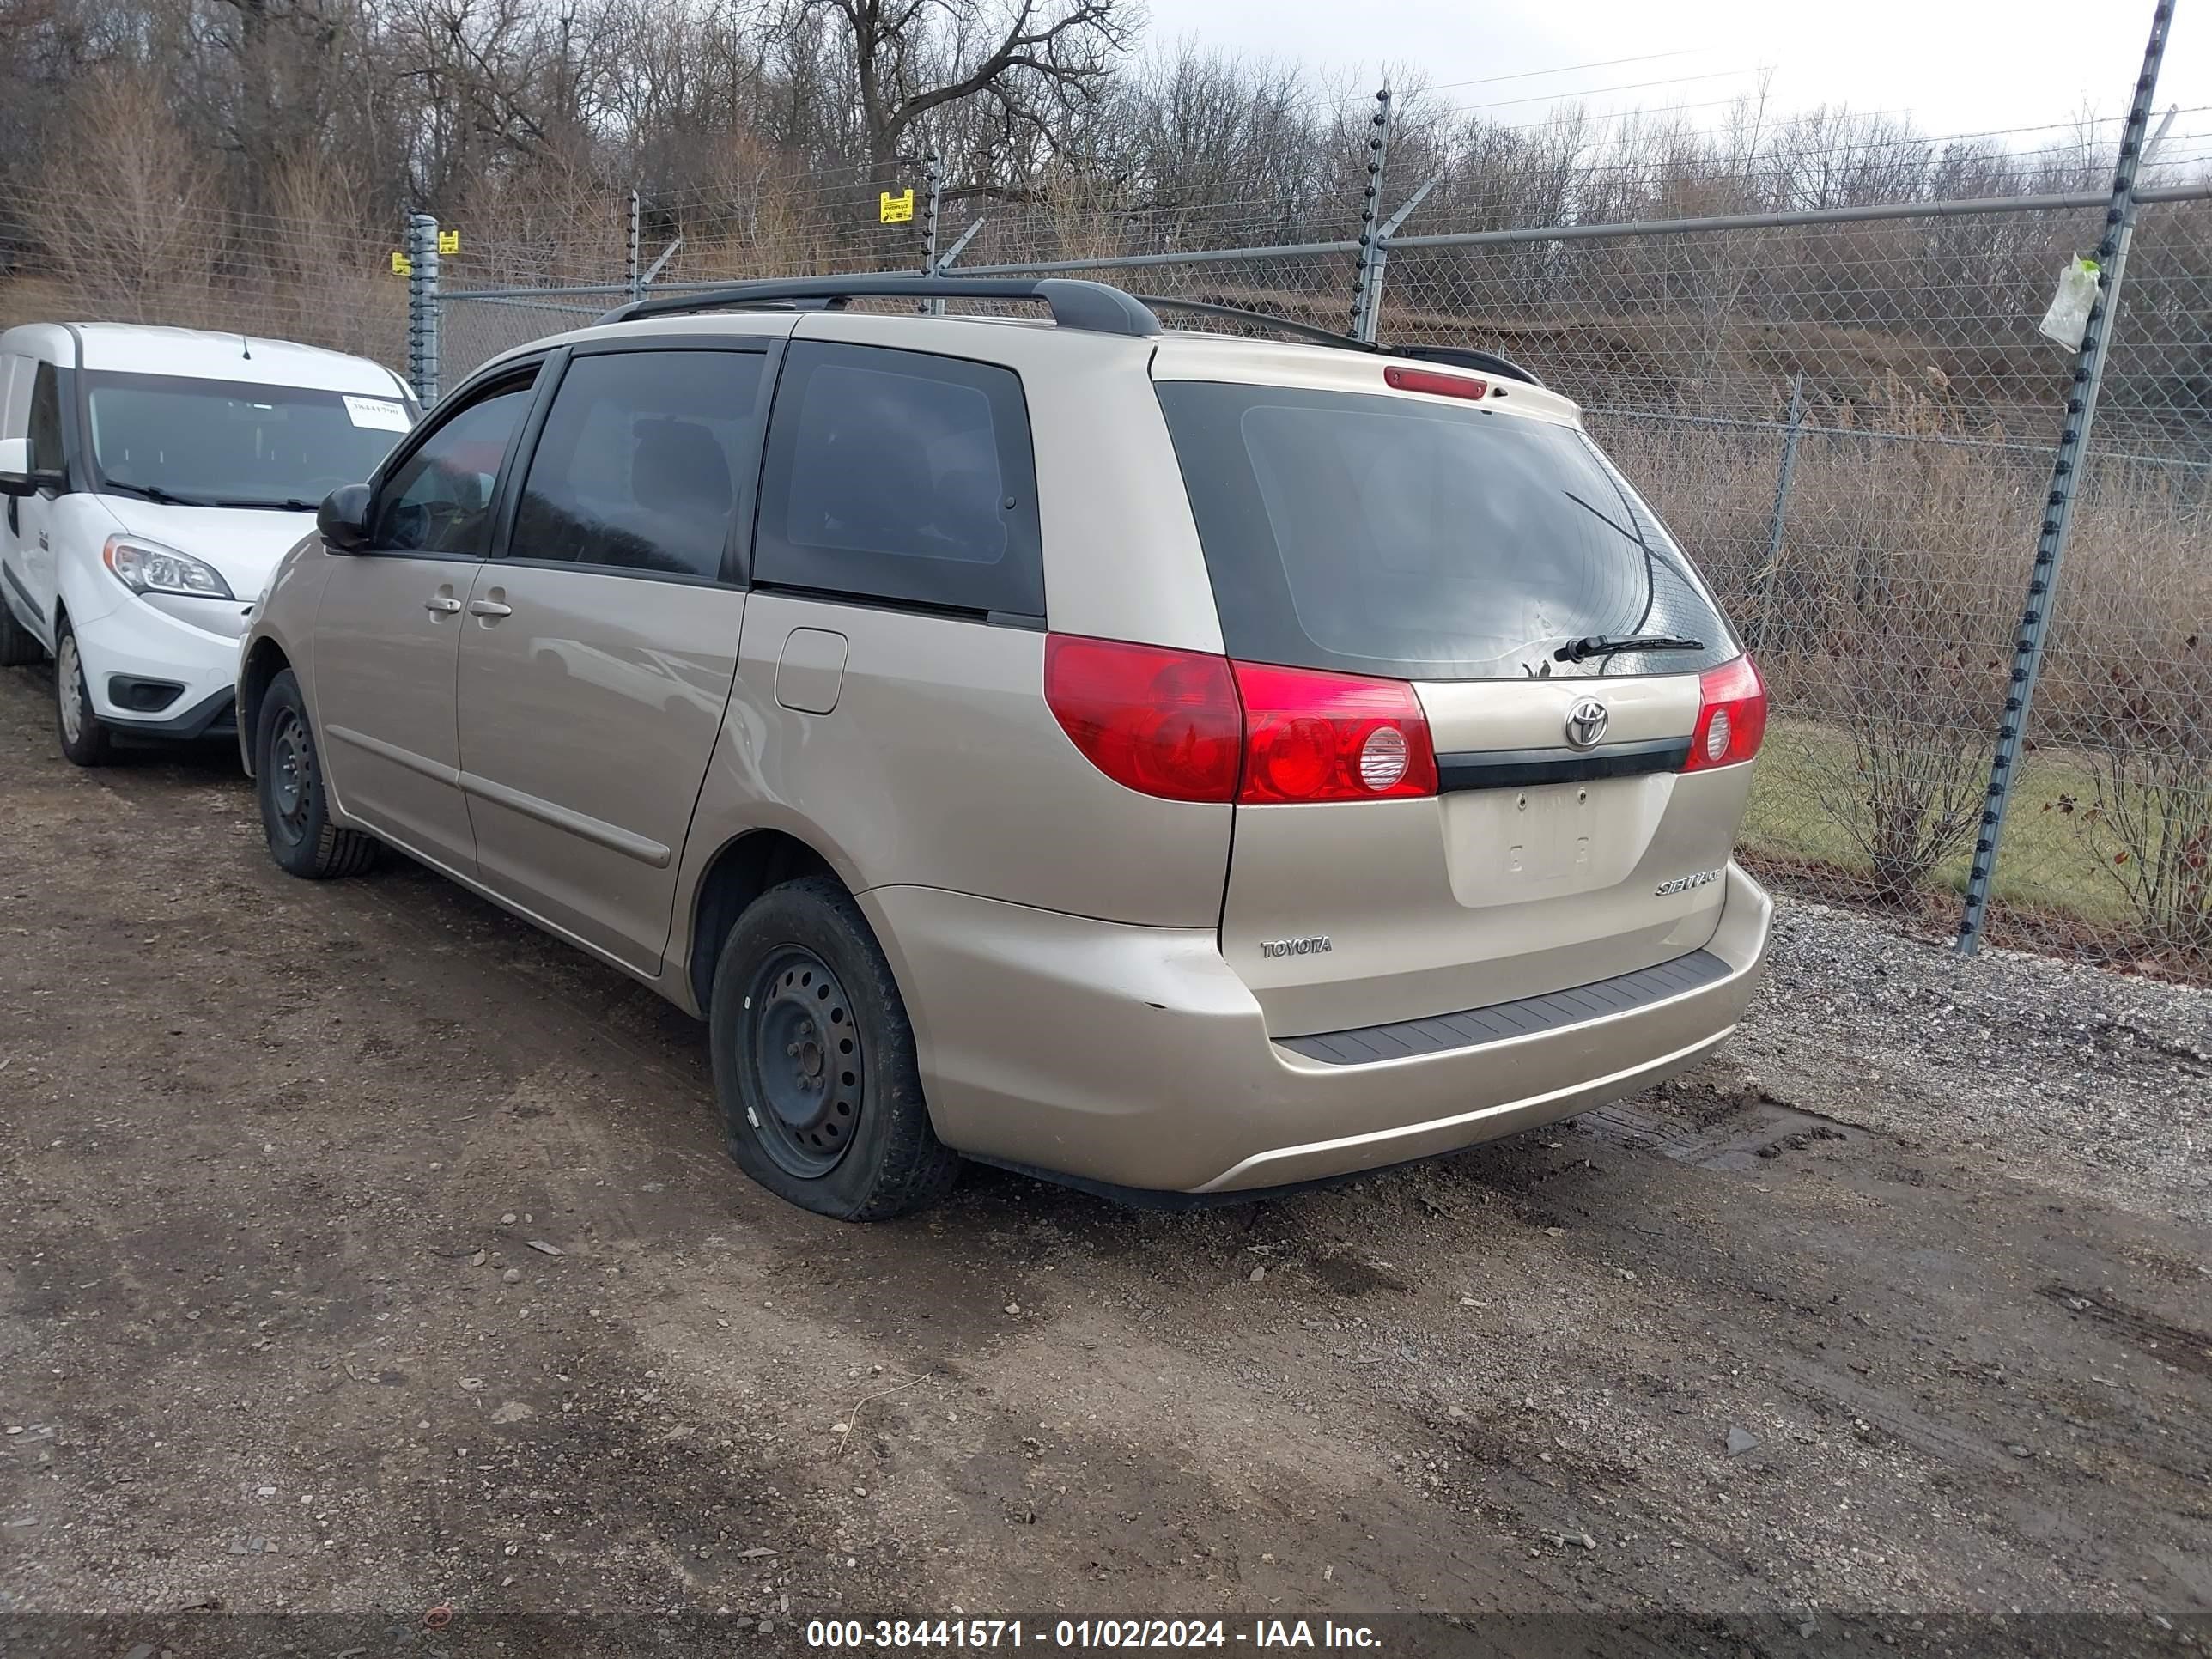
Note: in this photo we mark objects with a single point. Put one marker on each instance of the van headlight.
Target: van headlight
(145, 567)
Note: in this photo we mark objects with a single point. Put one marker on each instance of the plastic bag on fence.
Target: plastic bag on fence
(2068, 319)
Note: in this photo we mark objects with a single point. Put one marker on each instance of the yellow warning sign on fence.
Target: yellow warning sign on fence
(449, 241)
(898, 209)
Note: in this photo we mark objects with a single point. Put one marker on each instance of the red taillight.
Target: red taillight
(1161, 722)
(1186, 726)
(1315, 737)
(1731, 717)
(1428, 380)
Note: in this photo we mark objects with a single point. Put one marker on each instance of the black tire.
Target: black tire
(295, 808)
(820, 1093)
(19, 646)
(84, 736)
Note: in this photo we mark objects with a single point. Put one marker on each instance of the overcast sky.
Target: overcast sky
(1957, 65)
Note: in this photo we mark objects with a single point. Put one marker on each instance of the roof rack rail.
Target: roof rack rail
(1098, 306)
(1309, 331)
(1074, 304)
(1461, 357)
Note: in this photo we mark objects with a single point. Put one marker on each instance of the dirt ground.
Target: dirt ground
(368, 1252)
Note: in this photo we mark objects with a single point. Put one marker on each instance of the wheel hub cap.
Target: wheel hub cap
(69, 677)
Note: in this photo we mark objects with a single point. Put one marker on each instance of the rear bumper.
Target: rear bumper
(1134, 1057)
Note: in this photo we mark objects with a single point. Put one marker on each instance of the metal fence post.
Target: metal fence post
(932, 182)
(422, 306)
(1770, 574)
(1369, 325)
(2065, 484)
(631, 282)
(1378, 149)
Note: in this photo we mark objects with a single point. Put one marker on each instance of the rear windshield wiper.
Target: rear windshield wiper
(1597, 645)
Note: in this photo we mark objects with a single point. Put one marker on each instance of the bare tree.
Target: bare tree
(1029, 62)
(143, 235)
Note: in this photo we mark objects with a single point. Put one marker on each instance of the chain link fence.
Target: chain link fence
(1847, 415)
(1850, 418)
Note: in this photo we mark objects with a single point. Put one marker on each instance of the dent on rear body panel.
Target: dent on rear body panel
(1136, 1056)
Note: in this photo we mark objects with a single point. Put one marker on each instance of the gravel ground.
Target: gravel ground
(2097, 1083)
(1895, 1312)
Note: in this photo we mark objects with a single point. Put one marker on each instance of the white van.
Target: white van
(150, 478)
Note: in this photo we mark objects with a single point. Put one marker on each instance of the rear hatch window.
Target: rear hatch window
(1396, 536)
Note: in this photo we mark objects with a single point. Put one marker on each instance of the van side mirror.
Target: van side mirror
(16, 478)
(342, 518)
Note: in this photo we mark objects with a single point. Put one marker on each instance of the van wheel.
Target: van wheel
(84, 733)
(295, 808)
(814, 1061)
(19, 646)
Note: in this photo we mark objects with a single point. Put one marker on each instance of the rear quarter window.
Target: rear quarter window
(901, 475)
(1392, 535)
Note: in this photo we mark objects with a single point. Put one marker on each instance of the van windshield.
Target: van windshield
(1394, 536)
(226, 443)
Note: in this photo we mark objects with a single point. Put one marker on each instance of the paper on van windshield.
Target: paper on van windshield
(381, 413)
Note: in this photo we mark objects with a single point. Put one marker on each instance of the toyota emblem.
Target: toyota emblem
(1586, 723)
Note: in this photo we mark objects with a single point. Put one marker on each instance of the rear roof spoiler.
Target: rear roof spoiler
(1099, 307)
(1460, 356)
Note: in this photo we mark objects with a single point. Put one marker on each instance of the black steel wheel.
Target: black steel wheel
(291, 763)
(814, 1059)
(804, 1051)
(287, 781)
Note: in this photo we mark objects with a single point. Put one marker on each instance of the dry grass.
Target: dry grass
(1885, 626)
(1884, 622)
(1918, 550)
(2045, 864)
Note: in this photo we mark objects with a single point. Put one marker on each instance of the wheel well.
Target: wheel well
(266, 662)
(740, 874)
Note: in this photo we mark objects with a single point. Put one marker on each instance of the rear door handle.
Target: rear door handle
(490, 608)
(443, 605)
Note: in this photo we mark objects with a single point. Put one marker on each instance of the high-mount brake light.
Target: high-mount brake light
(1402, 379)
(1731, 716)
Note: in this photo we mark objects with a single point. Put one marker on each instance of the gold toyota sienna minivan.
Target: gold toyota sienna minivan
(1179, 764)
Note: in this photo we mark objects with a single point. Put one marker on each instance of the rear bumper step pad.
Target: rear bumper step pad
(1409, 1039)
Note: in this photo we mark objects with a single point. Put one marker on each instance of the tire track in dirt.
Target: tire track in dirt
(1439, 1384)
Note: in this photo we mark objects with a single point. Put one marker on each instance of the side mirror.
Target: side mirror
(342, 518)
(16, 478)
